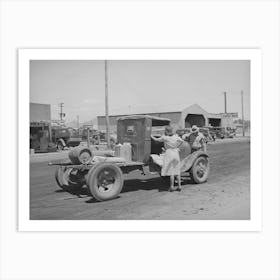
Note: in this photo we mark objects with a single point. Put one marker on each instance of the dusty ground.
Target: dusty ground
(225, 196)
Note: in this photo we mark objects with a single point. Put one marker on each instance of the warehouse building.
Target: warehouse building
(192, 115)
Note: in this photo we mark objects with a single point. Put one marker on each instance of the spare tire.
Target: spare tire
(80, 155)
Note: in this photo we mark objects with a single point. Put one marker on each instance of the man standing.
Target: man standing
(196, 139)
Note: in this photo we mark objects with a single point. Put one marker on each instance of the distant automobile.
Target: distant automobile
(223, 132)
(218, 131)
(207, 134)
(212, 132)
(230, 132)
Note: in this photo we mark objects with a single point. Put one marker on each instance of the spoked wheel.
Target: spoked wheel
(69, 179)
(200, 170)
(105, 181)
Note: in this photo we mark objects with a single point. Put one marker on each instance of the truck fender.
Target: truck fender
(187, 162)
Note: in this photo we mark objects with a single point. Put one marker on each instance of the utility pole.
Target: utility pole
(243, 126)
(106, 105)
(61, 113)
(88, 142)
(225, 95)
(78, 122)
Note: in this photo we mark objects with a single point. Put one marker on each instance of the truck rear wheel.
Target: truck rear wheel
(105, 181)
(69, 179)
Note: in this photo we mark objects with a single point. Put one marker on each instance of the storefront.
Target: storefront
(40, 127)
(40, 135)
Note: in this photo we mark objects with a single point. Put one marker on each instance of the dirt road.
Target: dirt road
(226, 195)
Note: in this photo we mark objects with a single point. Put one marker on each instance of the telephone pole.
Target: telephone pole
(242, 104)
(78, 122)
(106, 105)
(61, 113)
(225, 95)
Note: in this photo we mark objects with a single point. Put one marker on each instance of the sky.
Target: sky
(139, 86)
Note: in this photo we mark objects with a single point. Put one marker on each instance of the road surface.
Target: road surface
(225, 196)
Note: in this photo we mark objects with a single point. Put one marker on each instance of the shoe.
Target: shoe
(178, 189)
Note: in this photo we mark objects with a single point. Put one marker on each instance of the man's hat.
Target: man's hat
(195, 128)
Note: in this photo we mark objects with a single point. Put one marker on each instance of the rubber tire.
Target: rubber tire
(59, 176)
(93, 186)
(193, 173)
(62, 177)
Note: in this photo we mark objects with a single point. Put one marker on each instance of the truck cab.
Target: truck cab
(137, 130)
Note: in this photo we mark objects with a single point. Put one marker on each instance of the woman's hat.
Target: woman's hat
(195, 128)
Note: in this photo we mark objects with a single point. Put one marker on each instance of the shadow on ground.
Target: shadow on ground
(131, 185)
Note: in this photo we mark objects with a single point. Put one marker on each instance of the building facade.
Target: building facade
(40, 126)
(40, 112)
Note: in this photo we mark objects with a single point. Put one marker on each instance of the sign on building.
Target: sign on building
(230, 115)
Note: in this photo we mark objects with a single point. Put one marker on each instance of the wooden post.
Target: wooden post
(106, 106)
(225, 95)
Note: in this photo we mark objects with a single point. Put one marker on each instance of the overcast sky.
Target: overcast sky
(139, 86)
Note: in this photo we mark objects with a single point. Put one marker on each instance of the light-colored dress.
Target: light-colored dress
(171, 159)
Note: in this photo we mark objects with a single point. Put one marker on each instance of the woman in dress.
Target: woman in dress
(171, 160)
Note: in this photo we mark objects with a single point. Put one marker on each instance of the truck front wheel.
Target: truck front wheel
(200, 170)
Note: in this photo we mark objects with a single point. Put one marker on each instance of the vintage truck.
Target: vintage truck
(65, 137)
(104, 174)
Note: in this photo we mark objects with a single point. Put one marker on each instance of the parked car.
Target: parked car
(230, 132)
(218, 131)
(207, 134)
